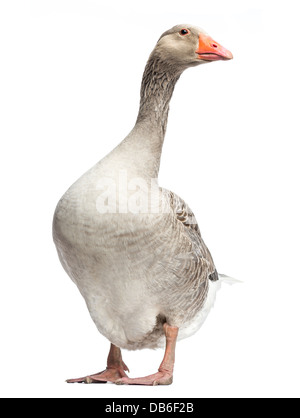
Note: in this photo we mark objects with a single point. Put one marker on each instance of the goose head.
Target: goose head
(187, 46)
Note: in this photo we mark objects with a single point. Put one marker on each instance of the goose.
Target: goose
(133, 248)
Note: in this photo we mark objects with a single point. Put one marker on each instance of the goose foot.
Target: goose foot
(159, 378)
(114, 371)
(164, 376)
(108, 375)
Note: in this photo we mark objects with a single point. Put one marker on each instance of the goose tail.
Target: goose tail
(227, 279)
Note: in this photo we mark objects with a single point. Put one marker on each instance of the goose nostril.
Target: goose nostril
(215, 45)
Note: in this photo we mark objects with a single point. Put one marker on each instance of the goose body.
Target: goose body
(134, 249)
(134, 271)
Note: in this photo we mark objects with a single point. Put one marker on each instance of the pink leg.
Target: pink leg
(164, 376)
(114, 371)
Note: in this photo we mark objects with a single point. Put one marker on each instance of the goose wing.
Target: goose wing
(197, 262)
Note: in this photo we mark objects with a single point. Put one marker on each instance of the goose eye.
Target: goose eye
(184, 32)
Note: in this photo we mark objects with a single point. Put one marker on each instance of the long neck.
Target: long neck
(143, 145)
(156, 91)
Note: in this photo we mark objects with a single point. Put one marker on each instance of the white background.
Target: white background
(70, 79)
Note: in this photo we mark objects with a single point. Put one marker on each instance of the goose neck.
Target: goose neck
(157, 87)
(142, 148)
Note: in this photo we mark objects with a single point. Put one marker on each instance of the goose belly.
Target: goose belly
(122, 310)
(111, 269)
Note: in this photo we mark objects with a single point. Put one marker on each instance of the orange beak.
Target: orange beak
(210, 50)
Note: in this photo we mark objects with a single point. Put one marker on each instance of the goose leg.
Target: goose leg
(164, 376)
(114, 371)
